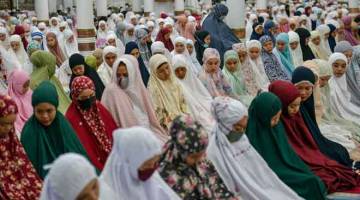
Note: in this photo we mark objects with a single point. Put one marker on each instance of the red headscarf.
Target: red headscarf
(161, 37)
(94, 126)
(18, 178)
(56, 50)
(20, 30)
(336, 177)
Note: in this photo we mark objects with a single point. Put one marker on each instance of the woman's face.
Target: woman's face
(324, 80)
(122, 71)
(45, 113)
(292, 26)
(167, 36)
(242, 56)
(254, 53)
(130, 32)
(207, 40)
(334, 33)
(135, 53)
(294, 45)
(90, 192)
(259, 30)
(102, 26)
(190, 48)
(110, 59)
(281, 45)
(51, 41)
(15, 46)
(78, 70)
(348, 54)
(241, 125)
(231, 65)
(275, 119)
(294, 106)
(70, 39)
(26, 87)
(7, 124)
(268, 46)
(305, 89)
(316, 40)
(179, 47)
(163, 72)
(180, 72)
(194, 158)
(212, 65)
(307, 40)
(326, 35)
(2, 37)
(54, 22)
(339, 68)
(112, 42)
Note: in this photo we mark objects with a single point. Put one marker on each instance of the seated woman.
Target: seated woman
(127, 99)
(71, 176)
(304, 35)
(18, 51)
(166, 94)
(110, 54)
(304, 80)
(91, 121)
(55, 49)
(272, 65)
(181, 49)
(112, 40)
(44, 69)
(133, 49)
(317, 47)
(192, 52)
(131, 170)
(80, 68)
(164, 37)
(183, 166)
(335, 176)
(18, 178)
(243, 170)
(196, 95)
(212, 77)
(203, 40)
(295, 49)
(267, 134)
(47, 134)
(282, 53)
(20, 92)
(235, 77)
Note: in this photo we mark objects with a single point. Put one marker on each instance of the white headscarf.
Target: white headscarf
(324, 29)
(249, 24)
(241, 168)
(194, 68)
(20, 54)
(118, 42)
(296, 54)
(102, 33)
(158, 47)
(193, 55)
(70, 47)
(132, 147)
(105, 71)
(6, 43)
(340, 95)
(68, 176)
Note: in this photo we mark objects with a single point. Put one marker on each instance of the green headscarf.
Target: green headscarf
(273, 146)
(44, 69)
(91, 61)
(236, 79)
(44, 144)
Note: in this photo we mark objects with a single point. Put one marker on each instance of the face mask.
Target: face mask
(87, 103)
(123, 82)
(206, 45)
(234, 136)
(144, 175)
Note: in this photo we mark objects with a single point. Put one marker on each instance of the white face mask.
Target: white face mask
(123, 82)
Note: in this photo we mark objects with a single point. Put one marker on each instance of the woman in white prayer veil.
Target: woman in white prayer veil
(158, 47)
(295, 49)
(324, 31)
(71, 45)
(181, 49)
(191, 49)
(17, 50)
(8, 63)
(4, 38)
(242, 169)
(112, 40)
(249, 25)
(196, 95)
(72, 177)
(131, 168)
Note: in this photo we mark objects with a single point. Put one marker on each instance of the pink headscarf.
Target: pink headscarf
(17, 79)
(348, 35)
(119, 101)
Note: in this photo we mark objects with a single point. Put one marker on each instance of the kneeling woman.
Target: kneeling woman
(18, 178)
(91, 121)
(336, 177)
(47, 134)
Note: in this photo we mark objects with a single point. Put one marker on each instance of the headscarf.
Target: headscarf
(158, 47)
(161, 37)
(250, 29)
(132, 147)
(236, 78)
(119, 45)
(105, 71)
(70, 47)
(254, 34)
(17, 79)
(142, 67)
(272, 144)
(5, 44)
(44, 144)
(200, 181)
(18, 177)
(68, 177)
(318, 50)
(236, 161)
(78, 59)
(56, 50)
(324, 29)
(20, 54)
(144, 50)
(102, 34)
(284, 56)
(19, 30)
(167, 96)
(335, 176)
(296, 54)
(331, 149)
(200, 45)
(306, 51)
(331, 39)
(272, 65)
(269, 24)
(348, 34)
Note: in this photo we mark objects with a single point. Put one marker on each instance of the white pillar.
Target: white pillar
(179, 7)
(261, 5)
(42, 10)
(148, 7)
(101, 8)
(354, 6)
(52, 5)
(85, 28)
(136, 6)
(236, 16)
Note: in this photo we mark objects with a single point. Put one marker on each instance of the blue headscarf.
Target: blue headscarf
(285, 55)
(143, 70)
(267, 26)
